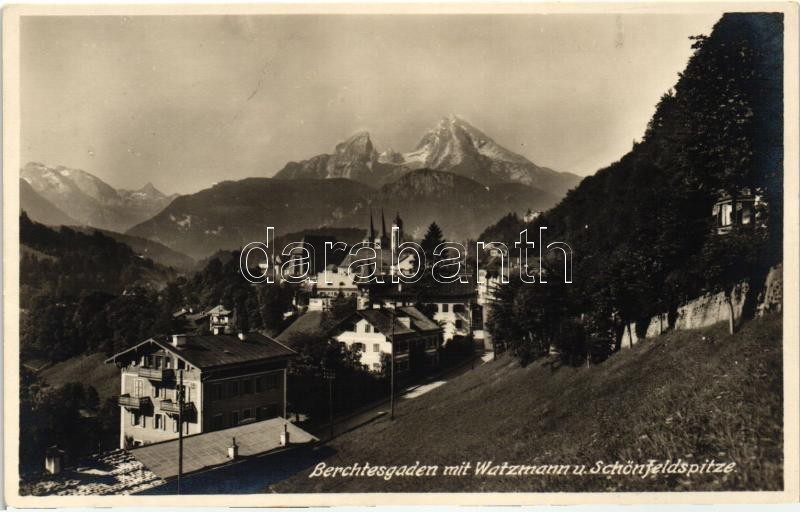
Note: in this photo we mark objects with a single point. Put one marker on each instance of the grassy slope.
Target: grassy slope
(677, 395)
(89, 370)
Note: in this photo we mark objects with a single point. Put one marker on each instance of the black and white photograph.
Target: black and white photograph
(315, 255)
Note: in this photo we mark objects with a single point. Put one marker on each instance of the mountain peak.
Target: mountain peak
(150, 189)
(358, 145)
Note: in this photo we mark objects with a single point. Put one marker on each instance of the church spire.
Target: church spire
(371, 227)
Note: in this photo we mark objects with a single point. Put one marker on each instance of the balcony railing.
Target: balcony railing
(133, 402)
(157, 374)
(171, 407)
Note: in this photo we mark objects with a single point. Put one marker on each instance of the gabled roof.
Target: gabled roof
(309, 324)
(317, 243)
(218, 310)
(424, 291)
(210, 351)
(381, 319)
(383, 258)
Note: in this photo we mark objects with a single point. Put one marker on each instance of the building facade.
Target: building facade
(456, 306)
(227, 380)
(414, 338)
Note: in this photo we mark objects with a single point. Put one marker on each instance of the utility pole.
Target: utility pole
(180, 428)
(391, 391)
(330, 375)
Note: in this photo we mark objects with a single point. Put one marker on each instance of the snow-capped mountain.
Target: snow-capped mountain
(453, 145)
(91, 201)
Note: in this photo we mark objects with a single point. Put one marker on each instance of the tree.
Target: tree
(726, 260)
(433, 237)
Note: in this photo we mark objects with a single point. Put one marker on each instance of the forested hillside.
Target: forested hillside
(642, 230)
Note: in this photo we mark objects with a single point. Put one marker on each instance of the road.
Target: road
(382, 408)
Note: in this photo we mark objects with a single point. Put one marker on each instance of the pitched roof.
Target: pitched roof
(310, 323)
(383, 258)
(424, 290)
(381, 319)
(210, 449)
(317, 243)
(210, 351)
(218, 310)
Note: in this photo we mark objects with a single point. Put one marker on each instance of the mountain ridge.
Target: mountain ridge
(91, 201)
(233, 213)
(454, 145)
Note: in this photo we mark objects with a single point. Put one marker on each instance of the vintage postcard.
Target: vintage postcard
(380, 254)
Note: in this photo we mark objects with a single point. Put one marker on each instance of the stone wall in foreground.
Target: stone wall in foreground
(709, 310)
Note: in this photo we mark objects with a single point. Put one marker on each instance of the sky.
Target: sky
(187, 101)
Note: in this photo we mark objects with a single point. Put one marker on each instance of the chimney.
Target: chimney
(233, 450)
(179, 340)
(285, 435)
(242, 336)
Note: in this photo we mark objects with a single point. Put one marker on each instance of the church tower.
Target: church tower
(397, 239)
(370, 238)
(382, 241)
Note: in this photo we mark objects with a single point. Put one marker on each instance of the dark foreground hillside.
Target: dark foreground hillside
(693, 395)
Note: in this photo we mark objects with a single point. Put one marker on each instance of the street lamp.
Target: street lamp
(180, 398)
(391, 391)
(330, 376)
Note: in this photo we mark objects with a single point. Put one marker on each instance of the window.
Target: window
(181, 364)
(459, 324)
(156, 391)
(234, 418)
(445, 308)
(367, 328)
(233, 388)
(376, 367)
(216, 391)
(358, 346)
(216, 422)
(158, 360)
(134, 419)
(261, 383)
(274, 381)
(175, 425)
(160, 424)
(247, 414)
(376, 347)
(138, 388)
(458, 308)
(167, 362)
(247, 387)
(261, 413)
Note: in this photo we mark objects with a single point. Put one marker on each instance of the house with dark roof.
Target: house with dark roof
(413, 337)
(227, 380)
(457, 308)
(311, 256)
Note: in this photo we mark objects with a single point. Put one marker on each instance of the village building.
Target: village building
(228, 380)
(219, 320)
(456, 306)
(414, 338)
(739, 210)
(311, 256)
(531, 215)
(193, 318)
